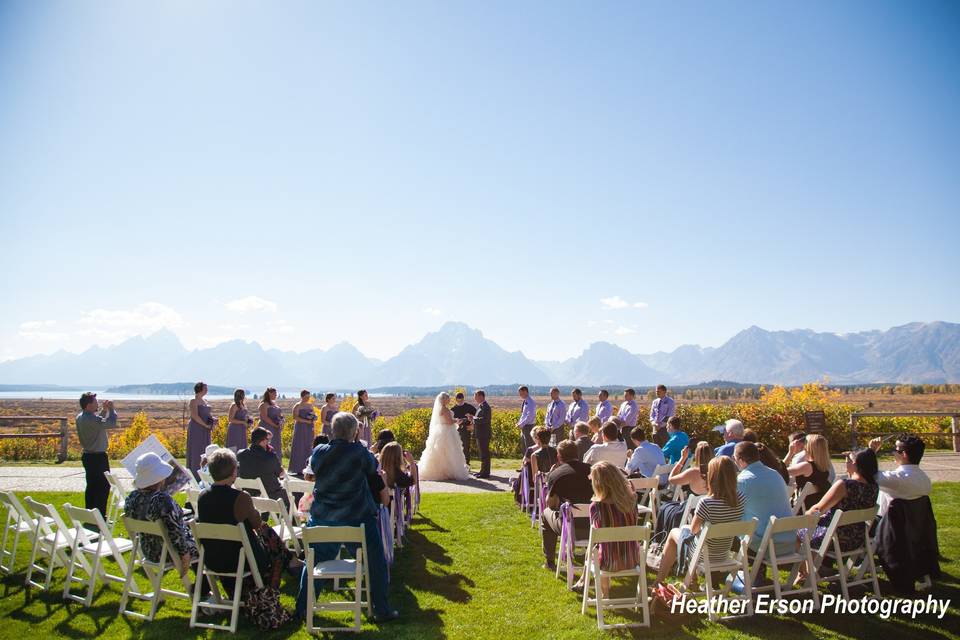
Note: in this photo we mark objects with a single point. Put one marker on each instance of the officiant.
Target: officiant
(462, 413)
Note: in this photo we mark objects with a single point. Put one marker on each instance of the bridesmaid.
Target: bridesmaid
(366, 415)
(198, 431)
(304, 416)
(327, 411)
(271, 419)
(239, 422)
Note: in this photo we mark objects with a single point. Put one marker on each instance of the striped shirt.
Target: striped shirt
(715, 511)
(615, 556)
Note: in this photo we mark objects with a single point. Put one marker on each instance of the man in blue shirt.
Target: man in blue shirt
(732, 434)
(677, 439)
(342, 497)
(765, 495)
(646, 456)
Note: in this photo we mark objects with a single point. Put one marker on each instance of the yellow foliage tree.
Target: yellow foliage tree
(127, 440)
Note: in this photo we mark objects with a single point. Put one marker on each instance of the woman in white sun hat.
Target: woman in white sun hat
(148, 501)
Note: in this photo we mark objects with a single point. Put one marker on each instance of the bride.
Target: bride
(442, 457)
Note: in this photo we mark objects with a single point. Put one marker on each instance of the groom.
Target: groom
(481, 430)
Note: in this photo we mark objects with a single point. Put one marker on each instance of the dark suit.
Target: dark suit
(482, 432)
(461, 411)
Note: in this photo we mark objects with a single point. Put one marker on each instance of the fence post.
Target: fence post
(853, 431)
(954, 428)
(64, 440)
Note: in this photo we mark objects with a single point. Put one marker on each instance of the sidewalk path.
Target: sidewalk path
(54, 478)
(940, 466)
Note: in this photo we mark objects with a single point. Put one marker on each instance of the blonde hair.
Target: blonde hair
(818, 453)
(595, 423)
(610, 486)
(391, 461)
(722, 480)
(702, 456)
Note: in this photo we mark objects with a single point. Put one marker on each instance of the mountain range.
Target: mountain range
(458, 354)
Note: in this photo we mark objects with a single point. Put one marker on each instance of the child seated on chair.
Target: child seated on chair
(614, 504)
(723, 503)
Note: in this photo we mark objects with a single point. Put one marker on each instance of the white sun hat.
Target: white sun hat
(150, 469)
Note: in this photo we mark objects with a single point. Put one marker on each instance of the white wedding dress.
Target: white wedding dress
(442, 457)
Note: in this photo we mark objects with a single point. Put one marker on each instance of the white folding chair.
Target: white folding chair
(193, 496)
(569, 543)
(343, 569)
(282, 523)
(398, 520)
(731, 565)
(246, 566)
(664, 470)
(767, 555)
(539, 486)
(105, 546)
(647, 498)
(51, 541)
(636, 534)
(293, 486)
(116, 499)
(849, 572)
(19, 522)
(799, 498)
(154, 571)
(251, 484)
(689, 509)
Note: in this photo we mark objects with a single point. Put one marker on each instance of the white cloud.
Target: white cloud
(32, 325)
(108, 326)
(43, 336)
(279, 326)
(616, 303)
(624, 331)
(251, 304)
(433, 311)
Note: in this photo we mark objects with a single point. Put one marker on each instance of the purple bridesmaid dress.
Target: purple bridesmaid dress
(237, 433)
(198, 437)
(302, 445)
(276, 414)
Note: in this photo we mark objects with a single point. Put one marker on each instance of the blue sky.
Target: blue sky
(651, 174)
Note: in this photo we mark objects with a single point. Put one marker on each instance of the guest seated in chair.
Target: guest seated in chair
(614, 504)
(858, 491)
(395, 463)
(723, 503)
(259, 462)
(646, 456)
(815, 467)
(342, 497)
(581, 436)
(545, 455)
(222, 504)
(907, 542)
(569, 481)
(613, 450)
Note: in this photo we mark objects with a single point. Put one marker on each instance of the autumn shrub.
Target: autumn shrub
(31, 448)
(125, 441)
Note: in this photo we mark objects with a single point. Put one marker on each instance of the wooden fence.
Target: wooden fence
(62, 433)
(954, 423)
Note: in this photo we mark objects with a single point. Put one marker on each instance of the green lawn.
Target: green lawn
(470, 569)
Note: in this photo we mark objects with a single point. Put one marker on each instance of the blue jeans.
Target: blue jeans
(377, 564)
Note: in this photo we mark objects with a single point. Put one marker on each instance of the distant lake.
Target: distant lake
(61, 394)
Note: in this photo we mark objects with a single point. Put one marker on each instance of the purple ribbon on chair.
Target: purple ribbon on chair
(401, 519)
(525, 488)
(566, 531)
(386, 536)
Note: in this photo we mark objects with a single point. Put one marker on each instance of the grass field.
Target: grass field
(470, 569)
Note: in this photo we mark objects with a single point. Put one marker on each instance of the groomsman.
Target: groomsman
(661, 409)
(604, 408)
(461, 413)
(578, 410)
(528, 417)
(555, 418)
(628, 414)
(481, 430)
